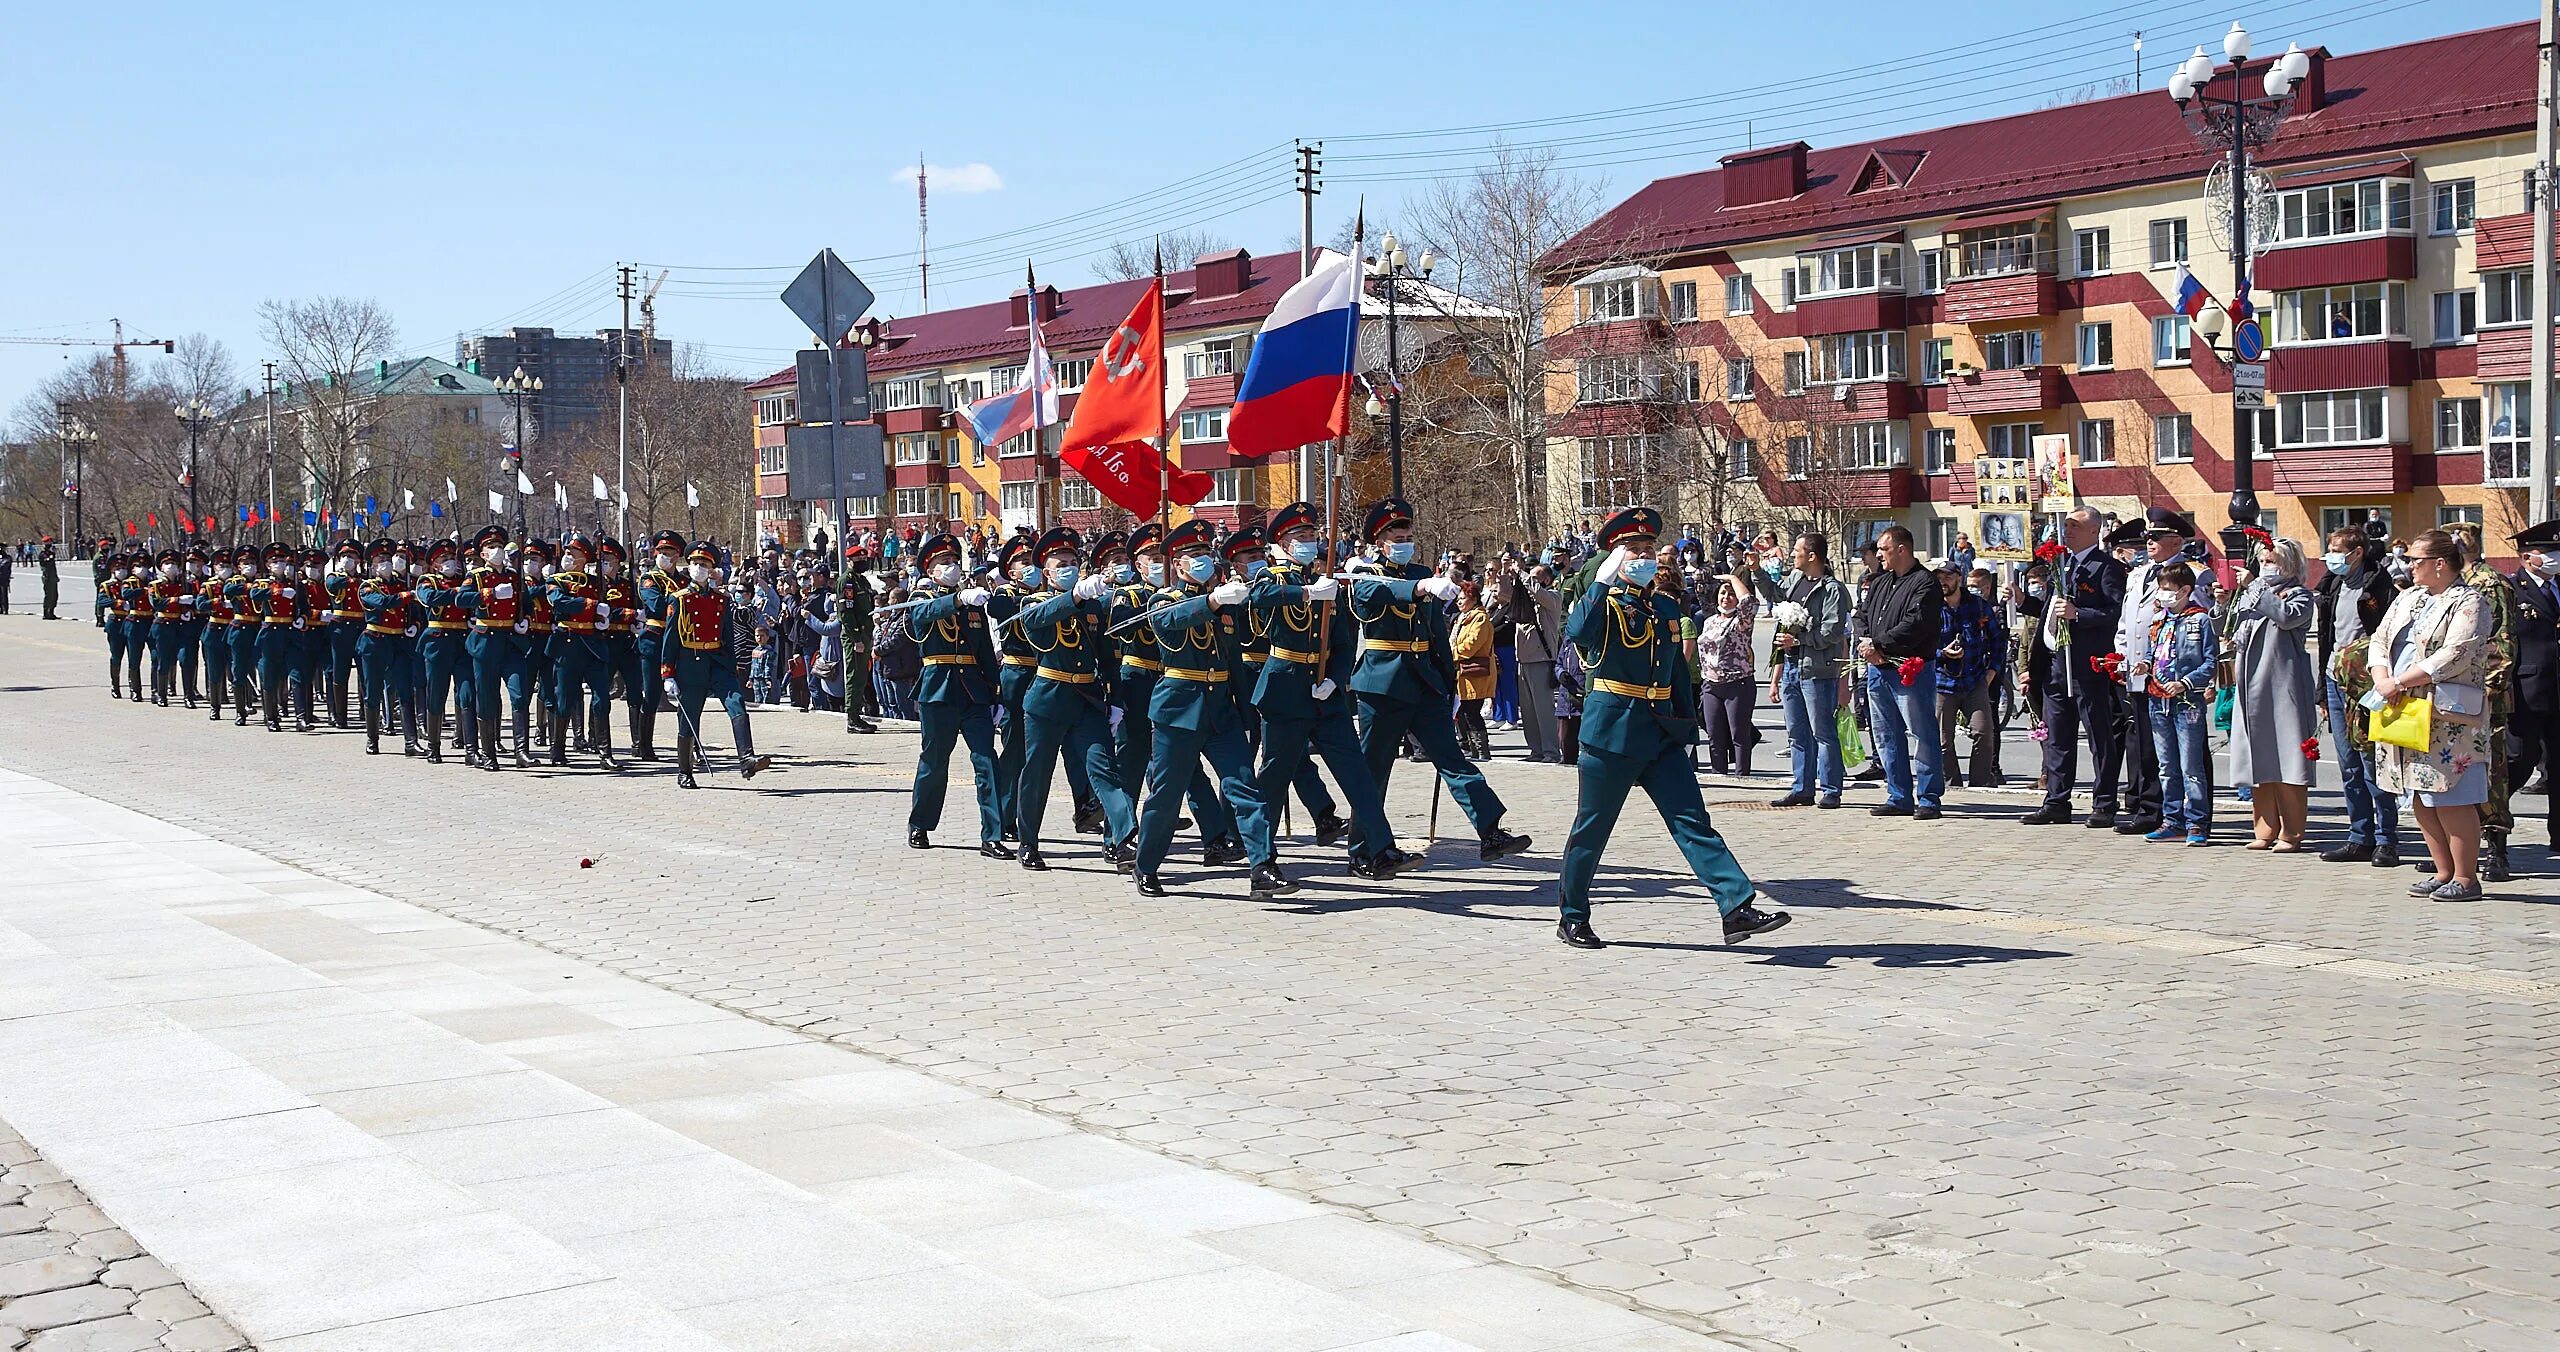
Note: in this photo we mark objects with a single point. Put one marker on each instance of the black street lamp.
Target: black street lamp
(1390, 270)
(75, 436)
(2234, 125)
(518, 388)
(195, 413)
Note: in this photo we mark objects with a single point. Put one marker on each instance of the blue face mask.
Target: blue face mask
(1253, 568)
(1400, 551)
(1640, 571)
(1305, 551)
(1548, 558)
(1063, 576)
(1122, 575)
(1200, 567)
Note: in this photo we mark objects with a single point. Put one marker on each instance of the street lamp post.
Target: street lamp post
(194, 413)
(2234, 125)
(1390, 270)
(518, 388)
(75, 436)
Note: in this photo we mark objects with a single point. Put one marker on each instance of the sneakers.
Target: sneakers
(2196, 838)
(2164, 833)
(2426, 887)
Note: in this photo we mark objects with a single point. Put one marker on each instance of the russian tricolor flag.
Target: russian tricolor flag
(2192, 297)
(1297, 386)
(1031, 403)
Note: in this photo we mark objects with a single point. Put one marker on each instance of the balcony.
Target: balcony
(1984, 297)
(930, 418)
(1857, 312)
(2506, 352)
(2364, 258)
(2313, 470)
(2026, 389)
(1862, 401)
(2374, 364)
(1851, 490)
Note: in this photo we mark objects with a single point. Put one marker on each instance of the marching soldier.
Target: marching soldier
(344, 588)
(1064, 709)
(217, 612)
(310, 636)
(955, 696)
(493, 593)
(1404, 675)
(386, 647)
(1245, 550)
(1195, 625)
(1134, 586)
(618, 595)
(1636, 731)
(700, 661)
(541, 658)
(276, 599)
(191, 631)
(582, 619)
(165, 600)
(247, 628)
(443, 655)
(1301, 690)
(665, 574)
(1019, 576)
(102, 568)
(118, 593)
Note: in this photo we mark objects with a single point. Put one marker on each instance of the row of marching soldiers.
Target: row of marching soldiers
(409, 631)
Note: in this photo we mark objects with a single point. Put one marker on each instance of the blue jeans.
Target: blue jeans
(1903, 720)
(2186, 783)
(1812, 705)
(2373, 817)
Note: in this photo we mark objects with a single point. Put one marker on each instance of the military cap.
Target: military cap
(1295, 516)
(221, 553)
(1146, 535)
(2125, 533)
(1057, 538)
(2543, 534)
(166, 556)
(382, 548)
(937, 544)
(607, 547)
(538, 549)
(2162, 521)
(347, 544)
(1386, 515)
(196, 551)
(705, 552)
(1013, 549)
(578, 541)
(1630, 523)
(1192, 532)
(312, 554)
(444, 547)
(278, 550)
(1110, 544)
(1243, 543)
(666, 537)
(493, 533)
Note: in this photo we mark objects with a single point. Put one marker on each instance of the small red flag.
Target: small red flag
(129, 530)
(153, 518)
(1128, 473)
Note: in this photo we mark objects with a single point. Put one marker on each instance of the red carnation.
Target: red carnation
(2311, 748)
(2109, 665)
(2048, 551)
(1909, 668)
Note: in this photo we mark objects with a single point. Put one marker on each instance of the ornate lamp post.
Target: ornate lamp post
(517, 387)
(2235, 124)
(1390, 270)
(195, 413)
(76, 436)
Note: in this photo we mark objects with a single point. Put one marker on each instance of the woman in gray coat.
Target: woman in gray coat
(2274, 707)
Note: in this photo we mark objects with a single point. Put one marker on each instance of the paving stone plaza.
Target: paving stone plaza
(346, 1052)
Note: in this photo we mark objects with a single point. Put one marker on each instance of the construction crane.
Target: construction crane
(649, 316)
(119, 343)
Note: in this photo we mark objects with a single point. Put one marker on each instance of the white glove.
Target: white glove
(974, 596)
(285, 592)
(524, 626)
(1092, 588)
(1440, 587)
(604, 614)
(1323, 589)
(1227, 593)
(1609, 566)
(672, 693)
(501, 592)
(297, 622)
(1323, 689)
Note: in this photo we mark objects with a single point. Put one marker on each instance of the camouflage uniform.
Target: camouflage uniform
(2496, 589)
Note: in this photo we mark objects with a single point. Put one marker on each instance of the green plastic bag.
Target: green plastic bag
(2222, 709)
(1853, 748)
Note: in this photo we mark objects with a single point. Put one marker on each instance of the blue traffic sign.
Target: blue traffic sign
(2248, 341)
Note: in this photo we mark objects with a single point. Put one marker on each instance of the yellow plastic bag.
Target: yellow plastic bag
(2404, 723)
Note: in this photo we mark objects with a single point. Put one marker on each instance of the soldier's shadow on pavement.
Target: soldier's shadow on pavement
(1775, 951)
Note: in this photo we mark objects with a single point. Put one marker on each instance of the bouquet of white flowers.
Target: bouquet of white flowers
(1791, 616)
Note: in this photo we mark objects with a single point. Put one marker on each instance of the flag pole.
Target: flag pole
(1164, 449)
(1030, 320)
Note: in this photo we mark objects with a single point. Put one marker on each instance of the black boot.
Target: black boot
(644, 733)
(524, 739)
(435, 738)
(1032, 859)
(1267, 881)
(1089, 818)
(1330, 829)
(489, 745)
(684, 761)
(302, 721)
(600, 736)
(372, 730)
(559, 738)
(1578, 933)
(854, 722)
(1748, 920)
(189, 683)
(1222, 852)
(2493, 857)
(1149, 885)
(1500, 844)
(749, 763)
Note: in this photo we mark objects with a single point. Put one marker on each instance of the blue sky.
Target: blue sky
(474, 165)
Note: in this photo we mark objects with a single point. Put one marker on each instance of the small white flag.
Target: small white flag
(691, 498)
(560, 494)
(408, 503)
(600, 493)
(497, 503)
(524, 483)
(451, 493)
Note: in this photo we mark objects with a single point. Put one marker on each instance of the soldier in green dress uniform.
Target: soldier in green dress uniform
(1133, 590)
(1195, 625)
(1302, 690)
(1636, 731)
(956, 695)
(1064, 711)
(2497, 819)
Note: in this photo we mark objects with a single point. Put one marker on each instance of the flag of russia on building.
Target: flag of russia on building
(1297, 386)
(2192, 297)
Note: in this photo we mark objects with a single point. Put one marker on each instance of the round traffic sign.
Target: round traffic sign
(2248, 341)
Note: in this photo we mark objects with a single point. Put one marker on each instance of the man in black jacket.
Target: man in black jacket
(2373, 816)
(1899, 618)
(2088, 591)
(2534, 735)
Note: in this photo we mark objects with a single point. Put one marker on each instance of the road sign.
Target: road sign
(853, 376)
(2248, 341)
(827, 297)
(2249, 385)
(816, 455)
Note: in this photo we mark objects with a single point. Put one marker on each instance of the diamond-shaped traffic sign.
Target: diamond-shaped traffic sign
(827, 297)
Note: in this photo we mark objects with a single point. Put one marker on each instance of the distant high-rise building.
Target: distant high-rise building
(576, 373)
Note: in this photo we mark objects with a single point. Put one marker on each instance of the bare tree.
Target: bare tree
(689, 425)
(1129, 260)
(320, 345)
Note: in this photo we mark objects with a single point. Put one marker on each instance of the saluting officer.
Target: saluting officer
(1404, 675)
(1134, 586)
(956, 695)
(1064, 709)
(1636, 731)
(1301, 692)
(700, 661)
(582, 620)
(1195, 624)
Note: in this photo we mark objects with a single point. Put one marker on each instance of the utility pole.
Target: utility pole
(1310, 164)
(924, 259)
(622, 409)
(270, 513)
(2540, 202)
(2137, 58)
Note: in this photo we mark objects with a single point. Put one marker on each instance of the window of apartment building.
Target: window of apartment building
(1076, 495)
(1608, 380)
(2010, 441)
(1937, 357)
(1693, 385)
(959, 394)
(2331, 314)
(1799, 457)
(2336, 519)
(1792, 367)
(1942, 536)
(1737, 378)
(1737, 294)
(1863, 267)
(1073, 374)
(2510, 434)
(1937, 450)
(2369, 206)
(1787, 289)
(859, 508)
(2013, 351)
(915, 501)
(2450, 205)
(911, 392)
(2457, 425)
(2093, 251)
(2097, 441)
(1603, 301)
(1741, 458)
(2169, 242)
(772, 410)
(2457, 514)
(2097, 346)
(1843, 357)
(2172, 340)
(951, 450)
(2506, 298)
(1611, 468)
(977, 453)
(2000, 248)
(2331, 418)
(1015, 448)
(1684, 301)
(1214, 357)
(2457, 316)
(770, 460)
(914, 449)
(1871, 445)
(1023, 496)
(2173, 439)
(1932, 269)
(1003, 378)
(960, 503)
(1204, 424)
